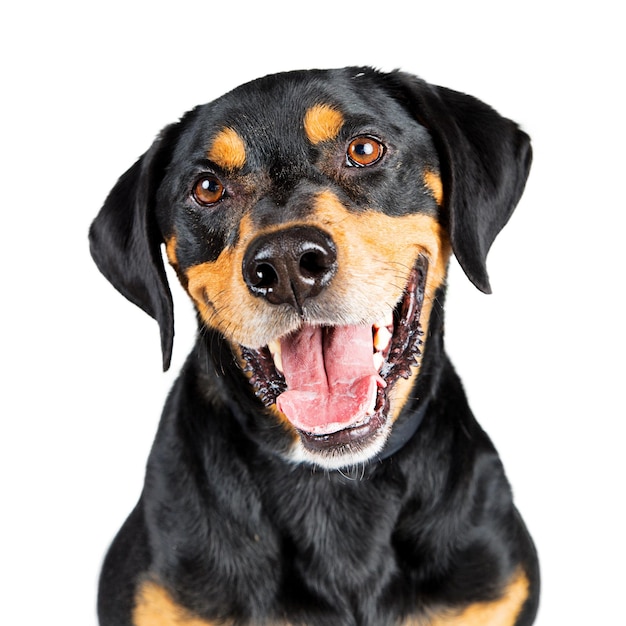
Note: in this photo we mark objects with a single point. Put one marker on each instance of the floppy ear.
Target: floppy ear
(125, 240)
(485, 160)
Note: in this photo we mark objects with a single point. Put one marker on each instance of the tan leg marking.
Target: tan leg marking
(322, 123)
(155, 607)
(228, 150)
(502, 612)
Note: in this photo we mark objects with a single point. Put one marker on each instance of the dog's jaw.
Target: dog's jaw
(354, 438)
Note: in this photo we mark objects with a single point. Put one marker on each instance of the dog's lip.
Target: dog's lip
(355, 433)
(400, 355)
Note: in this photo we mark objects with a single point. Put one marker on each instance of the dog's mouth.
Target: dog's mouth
(334, 383)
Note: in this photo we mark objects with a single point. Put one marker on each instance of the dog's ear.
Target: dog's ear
(485, 160)
(125, 240)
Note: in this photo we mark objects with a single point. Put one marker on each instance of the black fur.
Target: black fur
(229, 527)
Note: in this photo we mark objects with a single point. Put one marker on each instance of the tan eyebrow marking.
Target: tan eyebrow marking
(322, 122)
(228, 150)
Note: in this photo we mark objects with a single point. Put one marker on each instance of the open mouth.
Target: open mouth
(334, 383)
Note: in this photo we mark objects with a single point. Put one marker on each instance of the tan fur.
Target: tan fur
(228, 150)
(375, 255)
(501, 612)
(170, 251)
(322, 123)
(154, 606)
(432, 180)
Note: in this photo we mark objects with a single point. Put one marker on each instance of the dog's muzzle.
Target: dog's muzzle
(331, 382)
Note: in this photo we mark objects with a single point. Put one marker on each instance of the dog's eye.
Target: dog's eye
(363, 151)
(208, 190)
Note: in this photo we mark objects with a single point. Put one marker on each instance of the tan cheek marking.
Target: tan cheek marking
(170, 251)
(432, 180)
(384, 241)
(222, 298)
(435, 279)
(228, 150)
(322, 123)
(155, 607)
(215, 287)
(502, 612)
(391, 242)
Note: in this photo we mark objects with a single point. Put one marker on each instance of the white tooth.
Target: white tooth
(274, 347)
(385, 322)
(382, 337)
(378, 360)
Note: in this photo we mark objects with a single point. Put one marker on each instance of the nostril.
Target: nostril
(264, 276)
(314, 264)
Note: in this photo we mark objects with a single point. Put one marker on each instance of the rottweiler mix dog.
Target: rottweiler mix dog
(317, 463)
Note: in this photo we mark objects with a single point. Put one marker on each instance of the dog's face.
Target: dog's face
(310, 216)
(302, 216)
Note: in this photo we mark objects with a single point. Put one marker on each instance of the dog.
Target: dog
(317, 462)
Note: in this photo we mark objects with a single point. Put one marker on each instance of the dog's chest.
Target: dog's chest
(337, 534)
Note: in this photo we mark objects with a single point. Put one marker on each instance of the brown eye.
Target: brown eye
(208, 190)
(364, 151)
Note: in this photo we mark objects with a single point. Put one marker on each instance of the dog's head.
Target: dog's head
(310, 216)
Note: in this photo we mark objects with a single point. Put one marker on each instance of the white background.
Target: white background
(86, 87)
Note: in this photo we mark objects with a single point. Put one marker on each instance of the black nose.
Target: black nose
(290, 266)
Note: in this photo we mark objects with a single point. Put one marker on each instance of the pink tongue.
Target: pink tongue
(330, 375)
